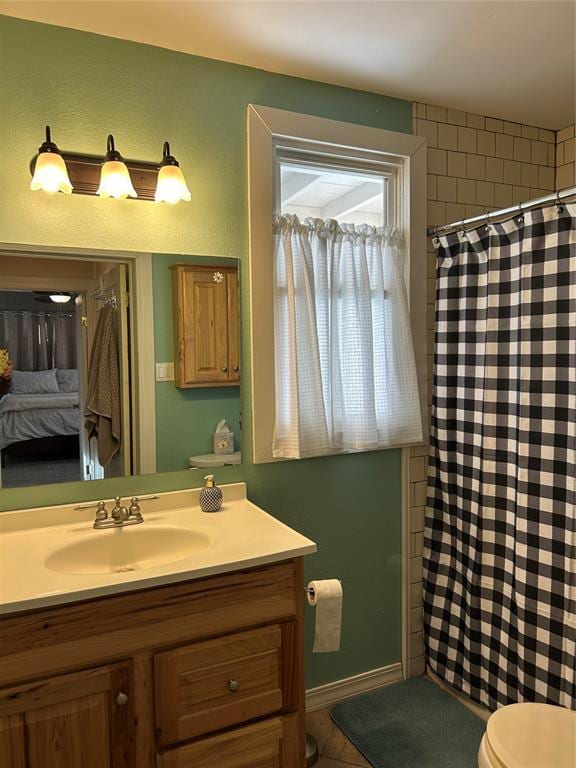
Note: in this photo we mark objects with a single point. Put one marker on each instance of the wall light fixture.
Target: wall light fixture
(109, 176)
(50, 172)
(171, 186)
(115, 178)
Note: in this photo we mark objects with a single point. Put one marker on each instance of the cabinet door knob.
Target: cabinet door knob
(233, 685)
(236, 368)
(121, 699)
(224, 369)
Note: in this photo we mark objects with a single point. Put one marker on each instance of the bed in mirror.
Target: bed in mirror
(112, 367)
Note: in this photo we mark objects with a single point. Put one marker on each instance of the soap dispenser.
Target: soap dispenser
(210, 496)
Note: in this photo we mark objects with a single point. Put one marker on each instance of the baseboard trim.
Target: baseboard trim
(332, 693)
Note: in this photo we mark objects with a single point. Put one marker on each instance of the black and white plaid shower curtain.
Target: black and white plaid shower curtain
(500, 539)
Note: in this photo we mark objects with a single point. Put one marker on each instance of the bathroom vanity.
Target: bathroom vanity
(193, 663)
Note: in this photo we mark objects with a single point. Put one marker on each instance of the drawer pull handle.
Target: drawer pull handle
(121, 699)
(233, 685)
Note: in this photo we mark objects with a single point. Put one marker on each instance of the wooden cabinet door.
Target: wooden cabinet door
(233, 327)
(84, 719)
(12, 742)
(202, 321)
(206, 326)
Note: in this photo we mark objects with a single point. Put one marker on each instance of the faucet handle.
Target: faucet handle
(101, 512)
(134, 511)
(134, 508)
(93, 505)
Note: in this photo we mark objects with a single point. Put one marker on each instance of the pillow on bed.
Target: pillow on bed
(34, 383)
(67, 379)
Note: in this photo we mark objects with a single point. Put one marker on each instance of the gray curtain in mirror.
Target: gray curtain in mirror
(37, 341)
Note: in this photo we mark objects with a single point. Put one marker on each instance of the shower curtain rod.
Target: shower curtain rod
(552, 198)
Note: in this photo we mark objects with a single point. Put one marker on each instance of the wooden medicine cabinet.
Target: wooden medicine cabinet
(207, 327)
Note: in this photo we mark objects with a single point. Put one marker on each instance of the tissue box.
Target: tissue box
(223, 443)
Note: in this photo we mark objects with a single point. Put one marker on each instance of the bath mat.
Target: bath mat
(412, 724)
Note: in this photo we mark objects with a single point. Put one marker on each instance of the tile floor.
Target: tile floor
(335, 749)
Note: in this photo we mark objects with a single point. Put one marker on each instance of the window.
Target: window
(331, 286)
(348, 195)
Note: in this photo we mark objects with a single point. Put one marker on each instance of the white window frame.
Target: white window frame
(404, 155)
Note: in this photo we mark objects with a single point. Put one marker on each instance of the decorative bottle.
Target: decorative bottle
(210, 496)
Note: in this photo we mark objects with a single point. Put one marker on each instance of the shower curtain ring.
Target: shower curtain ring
(559, 206)
(520, 218)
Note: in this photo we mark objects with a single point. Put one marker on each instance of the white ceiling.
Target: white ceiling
(513, 59)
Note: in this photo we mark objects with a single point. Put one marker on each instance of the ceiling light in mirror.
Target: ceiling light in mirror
(53, 297)
(60, 298)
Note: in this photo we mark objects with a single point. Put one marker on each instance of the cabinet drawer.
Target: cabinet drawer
(254, 746)
(214, 684)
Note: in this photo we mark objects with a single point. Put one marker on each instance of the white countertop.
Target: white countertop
(241, 535)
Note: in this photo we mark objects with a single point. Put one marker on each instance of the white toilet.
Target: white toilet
(207, 460)
(529, 736)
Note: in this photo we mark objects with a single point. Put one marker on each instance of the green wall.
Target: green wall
(199, 409)
(86, 86)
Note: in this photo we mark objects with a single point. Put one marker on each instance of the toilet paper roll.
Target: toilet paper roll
(326, 597)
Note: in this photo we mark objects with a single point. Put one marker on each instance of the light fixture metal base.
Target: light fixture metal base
(84, 172)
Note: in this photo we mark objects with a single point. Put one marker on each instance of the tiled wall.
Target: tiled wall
(475, 164)
(478, 164)
(566, 157)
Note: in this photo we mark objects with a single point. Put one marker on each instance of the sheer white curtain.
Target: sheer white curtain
(345, 370)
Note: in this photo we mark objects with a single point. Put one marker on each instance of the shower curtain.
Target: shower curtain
(500, 539)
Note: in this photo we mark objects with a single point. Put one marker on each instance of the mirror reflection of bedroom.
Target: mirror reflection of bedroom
(64, 371)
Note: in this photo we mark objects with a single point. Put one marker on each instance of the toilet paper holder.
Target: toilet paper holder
(308, 591)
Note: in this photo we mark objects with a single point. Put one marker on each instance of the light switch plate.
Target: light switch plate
(164, 371)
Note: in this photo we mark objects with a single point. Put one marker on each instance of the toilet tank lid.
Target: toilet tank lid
(533, 736)
(215, 460)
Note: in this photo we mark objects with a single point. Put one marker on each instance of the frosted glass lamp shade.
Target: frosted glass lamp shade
(115, 181)
(50, 174)
(171, 186)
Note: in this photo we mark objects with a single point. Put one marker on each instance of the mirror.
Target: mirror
(113, 367)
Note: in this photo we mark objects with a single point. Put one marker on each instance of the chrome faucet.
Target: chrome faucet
(120, 515)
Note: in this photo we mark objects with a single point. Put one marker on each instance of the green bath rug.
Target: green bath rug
(412, 724)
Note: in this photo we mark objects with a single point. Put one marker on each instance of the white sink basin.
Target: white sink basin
(52, 556)
(127, 549)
